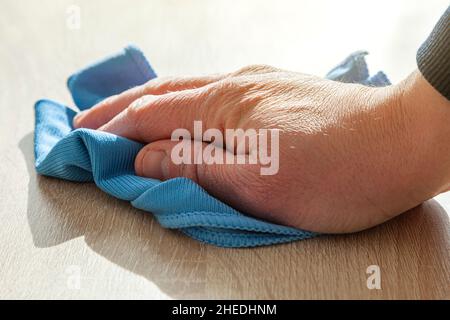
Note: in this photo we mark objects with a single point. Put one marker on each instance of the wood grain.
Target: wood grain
(53, 230)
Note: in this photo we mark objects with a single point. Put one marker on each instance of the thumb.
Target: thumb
(239, 185)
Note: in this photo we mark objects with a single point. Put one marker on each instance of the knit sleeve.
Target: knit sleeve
(433, 57)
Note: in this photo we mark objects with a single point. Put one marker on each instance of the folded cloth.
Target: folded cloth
(86, 155)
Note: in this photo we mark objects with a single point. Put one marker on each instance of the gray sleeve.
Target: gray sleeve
(433, 57)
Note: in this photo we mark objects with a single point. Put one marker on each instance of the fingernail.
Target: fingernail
(155, 165)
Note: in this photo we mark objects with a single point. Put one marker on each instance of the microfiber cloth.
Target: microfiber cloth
(85, 155)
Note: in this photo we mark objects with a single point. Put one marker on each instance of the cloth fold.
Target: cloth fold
(85, 155)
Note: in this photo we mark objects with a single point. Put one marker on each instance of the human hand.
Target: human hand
(350, 156)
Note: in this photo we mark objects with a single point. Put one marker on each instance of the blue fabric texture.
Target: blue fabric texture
(85, 155)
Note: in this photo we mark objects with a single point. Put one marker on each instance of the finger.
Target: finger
(239, 185)
(107, 109)
(152, 117)
(104, 111)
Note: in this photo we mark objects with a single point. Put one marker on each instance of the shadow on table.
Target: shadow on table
(184, 268)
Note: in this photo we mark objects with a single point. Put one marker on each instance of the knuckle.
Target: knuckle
(231, 89)
(224, 87)
(136, 110)
(162, 85)
(139, 104)
(233, 100)
(222, 102)
(256, 69)
(156, 84)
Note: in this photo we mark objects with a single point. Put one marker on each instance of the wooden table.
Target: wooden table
(67, 240)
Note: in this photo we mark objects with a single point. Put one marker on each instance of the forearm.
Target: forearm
(427, 114)
(424, 113)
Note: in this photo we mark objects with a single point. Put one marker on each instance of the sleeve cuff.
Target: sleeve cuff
(433, 57)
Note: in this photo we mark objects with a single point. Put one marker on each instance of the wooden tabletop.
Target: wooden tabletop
(69, 240)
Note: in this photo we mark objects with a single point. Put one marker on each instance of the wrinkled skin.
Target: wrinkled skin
(351, 156)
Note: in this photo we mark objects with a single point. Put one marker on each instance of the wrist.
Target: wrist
(424, 114)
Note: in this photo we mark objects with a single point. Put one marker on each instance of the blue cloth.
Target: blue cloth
(86, 155)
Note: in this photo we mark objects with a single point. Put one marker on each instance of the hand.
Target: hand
(350, 156)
